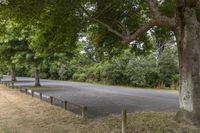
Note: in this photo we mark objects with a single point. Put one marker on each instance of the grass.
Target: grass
(20, 113)
(44, 88)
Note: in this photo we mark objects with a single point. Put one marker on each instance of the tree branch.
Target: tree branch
(124, 28)
(147, 26)
(152, 4)
(109, 28)
(162, 21)
(157, 20)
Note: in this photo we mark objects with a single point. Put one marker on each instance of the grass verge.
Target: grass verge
(20, 113)
(44, 88)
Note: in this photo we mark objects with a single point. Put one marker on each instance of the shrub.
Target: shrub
(80, 77)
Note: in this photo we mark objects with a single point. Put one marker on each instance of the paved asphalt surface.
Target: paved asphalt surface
(103, 100)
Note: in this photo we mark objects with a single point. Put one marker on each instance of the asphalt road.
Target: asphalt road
(103, 100)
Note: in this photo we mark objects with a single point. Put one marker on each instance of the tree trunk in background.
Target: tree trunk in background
(188, 41)
(37, 75)
(13, 72)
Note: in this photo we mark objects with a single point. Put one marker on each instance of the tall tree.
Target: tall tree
(186, 28)
(29, 57)
(8, 51)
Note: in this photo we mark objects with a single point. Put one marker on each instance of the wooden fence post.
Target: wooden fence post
(12, 83)
(9, 85)
(32, 93)
(84, 112)
(66, 105)
(26, 91)
(40, 96)
(51, 99)
(124, 121)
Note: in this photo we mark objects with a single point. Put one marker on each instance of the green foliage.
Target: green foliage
(167, 8)
(128, 69)
(136, 71)
(168, 66)
(37, 32)
(114, 74)
(21, 71)
(152, 78)
(54, 25)
(93, 73)
(80, 77)
(3, 68)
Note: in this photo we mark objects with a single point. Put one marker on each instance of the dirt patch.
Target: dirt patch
(20, 113)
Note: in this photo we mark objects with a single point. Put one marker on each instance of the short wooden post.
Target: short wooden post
(9, 85)
(32, 93)
(51, 99)
(84, 112)
(66, 105)
(40, 96)
(12, 84)
(124, 121)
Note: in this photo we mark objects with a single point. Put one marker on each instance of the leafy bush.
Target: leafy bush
(80, 77)
(152, 78)
(93, 73)
(114, 74)
(44, 75)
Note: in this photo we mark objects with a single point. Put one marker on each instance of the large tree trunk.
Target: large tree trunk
(188, 41)
(37, 75)
(13, 72)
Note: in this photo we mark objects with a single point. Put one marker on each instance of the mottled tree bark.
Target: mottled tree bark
(188, 41)
(37, 75)
(13, 72)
